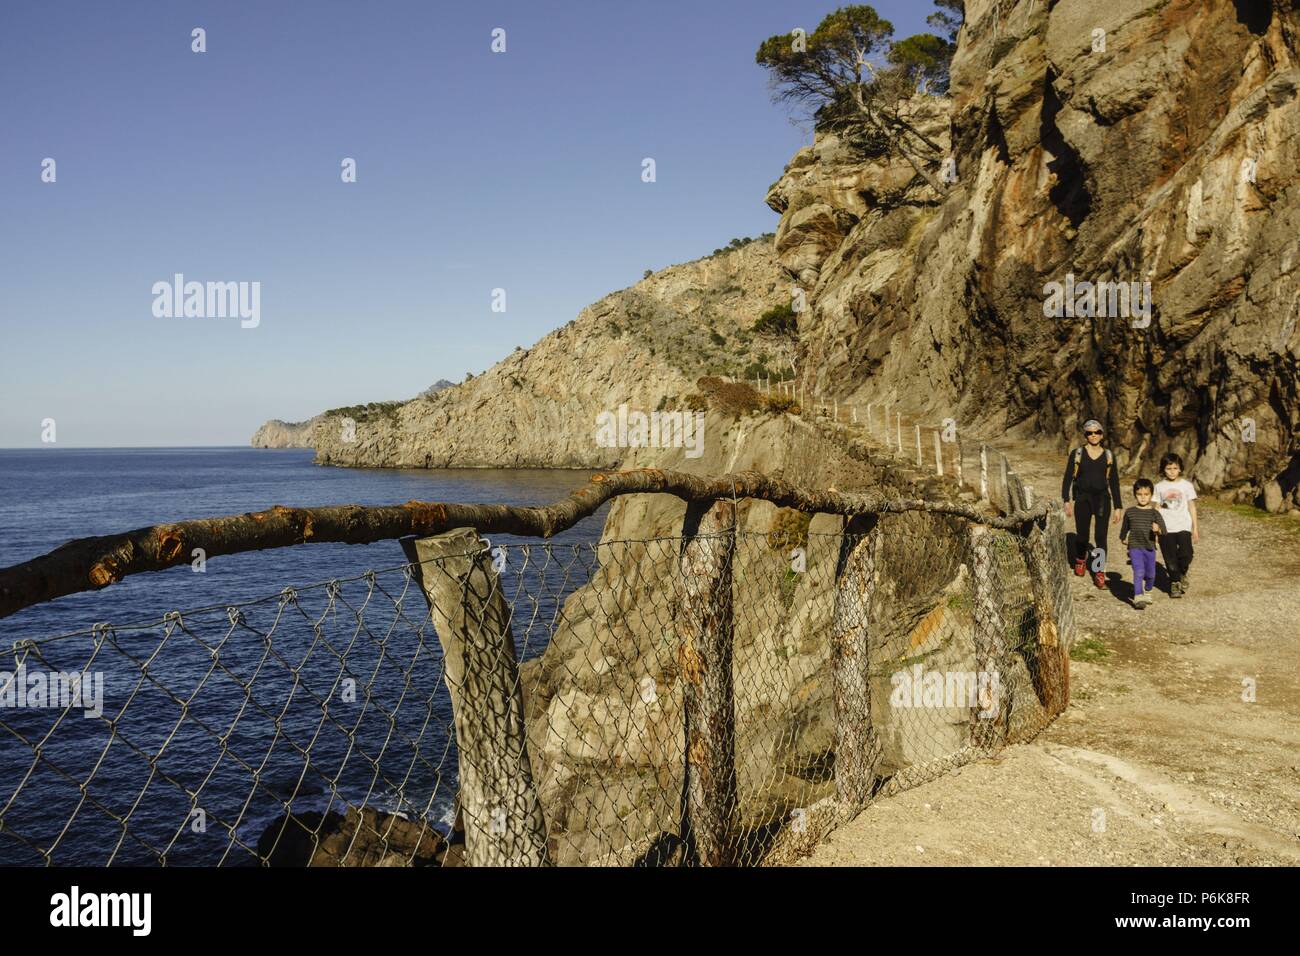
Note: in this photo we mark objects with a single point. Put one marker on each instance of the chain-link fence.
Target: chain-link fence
(716, 698)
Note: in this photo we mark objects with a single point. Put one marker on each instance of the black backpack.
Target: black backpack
(1078, 460)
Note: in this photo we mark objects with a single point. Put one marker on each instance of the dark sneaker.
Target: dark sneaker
(1078, 566)
(1176, 589)
(1099, 579)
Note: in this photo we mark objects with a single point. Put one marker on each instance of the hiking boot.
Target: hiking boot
(1078, 566)
(1176, 589)
(1099, 579)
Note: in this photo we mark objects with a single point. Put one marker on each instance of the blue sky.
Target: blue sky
(475, 171)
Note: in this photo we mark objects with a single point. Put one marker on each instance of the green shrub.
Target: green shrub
(788, 530)
(368, 412)
(778, 320)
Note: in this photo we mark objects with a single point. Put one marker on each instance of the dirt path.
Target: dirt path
(1158, 760)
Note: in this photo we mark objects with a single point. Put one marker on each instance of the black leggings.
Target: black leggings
(1177, 550)
(1087, 507)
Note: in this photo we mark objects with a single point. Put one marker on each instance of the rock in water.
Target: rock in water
(360, 838)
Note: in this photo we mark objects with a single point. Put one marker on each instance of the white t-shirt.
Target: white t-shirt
(1172, 498)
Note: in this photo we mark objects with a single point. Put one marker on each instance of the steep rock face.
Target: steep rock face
(644, 346)
(278, 434)
(1130, 163)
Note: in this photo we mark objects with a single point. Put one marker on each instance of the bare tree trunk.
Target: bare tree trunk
(504, 825)
(1051, 673)
(857, 750)
(705, 658)
(88, 564)
(895, 140)
(989, 715)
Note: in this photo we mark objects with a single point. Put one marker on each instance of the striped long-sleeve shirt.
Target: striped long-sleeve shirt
(1138, 525)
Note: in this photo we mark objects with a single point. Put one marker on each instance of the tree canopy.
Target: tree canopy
(852, 75)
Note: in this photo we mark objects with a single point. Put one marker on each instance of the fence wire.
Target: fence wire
(317, 727)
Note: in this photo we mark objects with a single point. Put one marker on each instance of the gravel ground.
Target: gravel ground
(1158, 760)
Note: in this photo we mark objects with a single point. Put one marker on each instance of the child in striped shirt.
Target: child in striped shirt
(1140, 528)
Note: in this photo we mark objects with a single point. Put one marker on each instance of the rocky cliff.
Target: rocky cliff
(1127, 141)
(1151, 143)
(278, 434)
(645, 347)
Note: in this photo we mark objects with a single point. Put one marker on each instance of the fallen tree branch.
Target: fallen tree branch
(88, 564)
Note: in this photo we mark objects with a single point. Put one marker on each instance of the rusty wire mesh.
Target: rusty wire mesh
(316, 724)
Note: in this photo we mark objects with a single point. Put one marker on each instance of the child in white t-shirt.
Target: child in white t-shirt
(1176, 498)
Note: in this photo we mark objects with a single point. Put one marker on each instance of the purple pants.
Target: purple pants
(1144, 569)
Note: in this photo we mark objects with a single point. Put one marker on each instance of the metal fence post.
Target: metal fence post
(504, 825)
(708, 547)
(938, 453)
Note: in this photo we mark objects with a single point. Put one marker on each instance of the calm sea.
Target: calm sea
(211, 725)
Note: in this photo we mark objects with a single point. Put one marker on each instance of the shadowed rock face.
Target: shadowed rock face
(1130, 164)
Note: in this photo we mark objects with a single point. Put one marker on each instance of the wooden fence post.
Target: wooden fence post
(938, 453)
(857, 752)
(984, 472)
(899, 423)
(1006, 481)
(1016, 491)
(918, 445)
(990, 713)
(961, 454)
(711, 804)
(504, 825)
(1053, 611)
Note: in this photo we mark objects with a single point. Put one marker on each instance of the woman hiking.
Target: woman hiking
(1090, 490)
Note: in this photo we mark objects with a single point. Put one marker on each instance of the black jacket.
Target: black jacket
(1092, 478)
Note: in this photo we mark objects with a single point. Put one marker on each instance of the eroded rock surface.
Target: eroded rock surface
(1169, 157)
